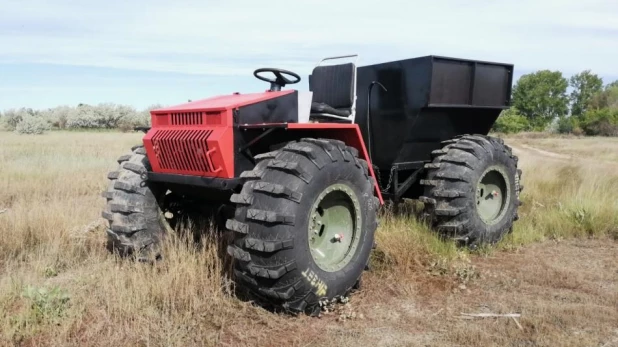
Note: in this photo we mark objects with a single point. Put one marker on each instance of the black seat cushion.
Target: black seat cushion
(319, 107)
(333, 85)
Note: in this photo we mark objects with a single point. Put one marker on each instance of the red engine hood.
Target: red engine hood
(223, 102)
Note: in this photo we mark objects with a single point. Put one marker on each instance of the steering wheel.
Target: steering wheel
(279, 81)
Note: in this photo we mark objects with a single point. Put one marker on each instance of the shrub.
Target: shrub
(58, 116)
(105, 115)
(32, 125)
(510, 121)
(600, 122)
(577, 131)
(126, 127)
(605, 99)
(83, 116)
(143, 118)
(13, 117)
(46, 305)
(101, 116)
(137, 119)
(112, 116)
(566, 125)
(552, 127)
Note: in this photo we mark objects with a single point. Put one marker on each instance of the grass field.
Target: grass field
(59, 286)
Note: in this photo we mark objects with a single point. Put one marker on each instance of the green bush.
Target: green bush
(12, 117)
(510, 121)
(600, 122)
(82, 116)
(57, 116)
(47, 305)
(32, 125)
(567, 125)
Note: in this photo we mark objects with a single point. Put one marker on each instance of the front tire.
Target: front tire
(134, 208)
(472, 189)
(284, 253)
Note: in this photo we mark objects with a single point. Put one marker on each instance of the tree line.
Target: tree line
(540, 102)
(82, 116)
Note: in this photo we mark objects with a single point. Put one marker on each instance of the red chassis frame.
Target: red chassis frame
(348, 133)
(197, 138)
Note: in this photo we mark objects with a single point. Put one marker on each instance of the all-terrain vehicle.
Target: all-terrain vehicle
(299, 176)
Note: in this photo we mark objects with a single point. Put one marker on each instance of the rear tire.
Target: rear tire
(275, 259)
(472, 189)
(136, 221)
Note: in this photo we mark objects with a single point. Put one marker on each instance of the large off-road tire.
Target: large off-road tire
(136, 221)
(472, 189)
(304, 224)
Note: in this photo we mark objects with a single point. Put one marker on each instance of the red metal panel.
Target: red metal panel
(348, 133)
(186, 118)
(197, 151)
(224, 102)
(197, 138)
(193, 155)
(160, 119)
(172, 147)
(221, 151)
(183, 158)
(202, 141)
(213, 118)
(208, 149)
(160, 151)
(206, 166)
(169, 155)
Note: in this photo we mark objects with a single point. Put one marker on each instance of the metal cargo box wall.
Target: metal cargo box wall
(428, 100)
(469, 83)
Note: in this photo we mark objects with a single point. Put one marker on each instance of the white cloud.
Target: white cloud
(233, 37)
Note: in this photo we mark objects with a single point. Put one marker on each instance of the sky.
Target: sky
(143, 52)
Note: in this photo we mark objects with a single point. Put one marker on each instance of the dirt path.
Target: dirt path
(547, 153)
(521, 149)
(566, 293)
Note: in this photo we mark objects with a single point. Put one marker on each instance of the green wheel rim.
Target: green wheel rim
(334, 227)
(492, 195)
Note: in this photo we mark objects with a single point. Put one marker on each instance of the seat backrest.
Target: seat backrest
(334, 85)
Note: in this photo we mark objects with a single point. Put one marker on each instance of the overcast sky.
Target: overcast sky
(142, 52)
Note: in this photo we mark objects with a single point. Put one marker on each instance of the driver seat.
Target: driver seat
(334, 93)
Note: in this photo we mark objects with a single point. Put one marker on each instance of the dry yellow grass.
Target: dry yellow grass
(59, 286)
(568, 196)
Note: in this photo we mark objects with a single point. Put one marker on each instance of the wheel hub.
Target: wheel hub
(492, 195)
(334, 227)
